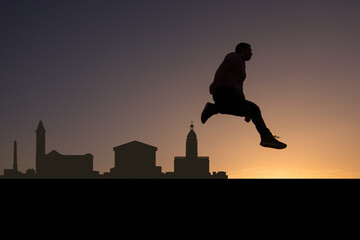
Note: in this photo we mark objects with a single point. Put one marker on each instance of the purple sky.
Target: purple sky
(104, 73)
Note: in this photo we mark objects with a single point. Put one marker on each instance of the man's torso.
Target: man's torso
(235, 75)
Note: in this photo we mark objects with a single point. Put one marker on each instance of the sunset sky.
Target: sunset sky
(101, 73)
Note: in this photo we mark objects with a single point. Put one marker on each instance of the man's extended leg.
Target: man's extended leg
(267, 139)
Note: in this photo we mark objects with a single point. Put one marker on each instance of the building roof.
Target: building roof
(40, 127)
(55, 153)
(135, 144)
(191, 135)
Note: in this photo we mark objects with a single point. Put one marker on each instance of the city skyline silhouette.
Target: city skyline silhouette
(100, 73)
(133, 160)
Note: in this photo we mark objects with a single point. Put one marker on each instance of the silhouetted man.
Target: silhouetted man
(227, 91)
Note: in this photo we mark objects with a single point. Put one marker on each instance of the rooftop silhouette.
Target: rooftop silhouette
(133, 160)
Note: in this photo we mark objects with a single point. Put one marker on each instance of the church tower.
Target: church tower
(191, 144)
(40, 146)
(191, 165)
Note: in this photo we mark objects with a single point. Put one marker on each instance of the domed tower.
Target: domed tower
(191, 144)
(192, 165)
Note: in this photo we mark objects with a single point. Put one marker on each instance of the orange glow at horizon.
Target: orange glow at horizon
(106, 73)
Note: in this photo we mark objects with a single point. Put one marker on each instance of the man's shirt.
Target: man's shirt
(233, 77)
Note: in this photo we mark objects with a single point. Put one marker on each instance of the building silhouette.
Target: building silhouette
(135, 160)
(56, 165)
(132, 160)
(192, 165)
(14, 171)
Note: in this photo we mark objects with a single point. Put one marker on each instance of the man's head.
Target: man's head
(245, 50)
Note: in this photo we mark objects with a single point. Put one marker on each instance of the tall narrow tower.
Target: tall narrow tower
(15, 165)
(191, 144)
(40, 146)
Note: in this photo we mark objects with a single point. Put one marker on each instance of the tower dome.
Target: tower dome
(191, 143)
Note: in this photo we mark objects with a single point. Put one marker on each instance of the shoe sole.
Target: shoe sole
(276, 146)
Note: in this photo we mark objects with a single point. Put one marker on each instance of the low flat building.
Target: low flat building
(135, 160)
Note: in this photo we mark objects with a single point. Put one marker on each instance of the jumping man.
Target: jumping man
(227, 91)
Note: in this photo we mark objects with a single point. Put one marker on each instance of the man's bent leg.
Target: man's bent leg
(209, 110)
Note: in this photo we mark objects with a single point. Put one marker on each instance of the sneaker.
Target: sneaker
(271, 142)
(207, 112)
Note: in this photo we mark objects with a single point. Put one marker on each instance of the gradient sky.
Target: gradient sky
(103, 73)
